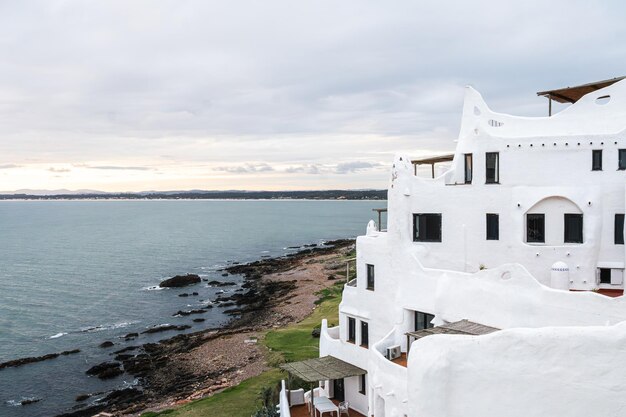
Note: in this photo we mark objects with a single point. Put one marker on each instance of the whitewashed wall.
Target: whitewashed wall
(574, 372)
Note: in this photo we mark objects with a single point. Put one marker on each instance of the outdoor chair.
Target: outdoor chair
(296, 397)
(344, 407)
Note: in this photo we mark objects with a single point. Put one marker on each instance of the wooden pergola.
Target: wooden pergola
(465, 327)
(573, 94)
(321, 369)
(431, 161)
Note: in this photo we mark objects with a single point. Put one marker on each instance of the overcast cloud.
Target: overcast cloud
(308, 94)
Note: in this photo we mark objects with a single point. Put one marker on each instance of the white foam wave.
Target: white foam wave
(56, 336)
(103, 327)
(153, 288)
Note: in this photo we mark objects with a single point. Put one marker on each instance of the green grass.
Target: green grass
(292, 343)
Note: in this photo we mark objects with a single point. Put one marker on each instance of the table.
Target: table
(325, 405)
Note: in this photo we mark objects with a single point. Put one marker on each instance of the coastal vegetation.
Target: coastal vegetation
(291, 343)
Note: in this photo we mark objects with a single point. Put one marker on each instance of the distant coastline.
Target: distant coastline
(210, 195)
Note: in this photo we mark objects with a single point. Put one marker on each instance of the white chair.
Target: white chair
(296, 397)
(344, 407)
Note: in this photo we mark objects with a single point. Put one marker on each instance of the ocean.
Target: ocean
(74, 274)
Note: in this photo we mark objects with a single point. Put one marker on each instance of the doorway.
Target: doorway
(338, 390)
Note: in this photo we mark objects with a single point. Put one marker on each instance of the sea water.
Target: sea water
(76, 273)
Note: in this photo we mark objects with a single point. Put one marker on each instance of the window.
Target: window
(365, 338)
(427, 227)
(468, 168)
(492, 166)
(535, 228)
(573, 228)
(423, 321)
(596, 160)
(493, 226)
(622, 160)
(370, 277)
(605, 275)
(351, 330)
(619, 229)
(362, 382)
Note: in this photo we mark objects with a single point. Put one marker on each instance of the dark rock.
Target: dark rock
(131, 336)
(221, 284)
(106, 370)
(106, 344)
(189, 312)
(123, 356)
(332, 277)
(198, 320)
(33, 359)
(225, 274)
(183, 295)
(180, 281)
(227, 304)
(127, 349)
(316, 332)
(194, 293)
(166, 328)
(82, 397)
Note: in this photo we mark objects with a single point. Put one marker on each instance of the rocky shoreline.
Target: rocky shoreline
(194, 365)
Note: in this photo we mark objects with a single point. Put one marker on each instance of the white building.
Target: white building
(515, 248)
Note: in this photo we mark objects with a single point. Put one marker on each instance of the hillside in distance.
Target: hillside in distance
(200, 194)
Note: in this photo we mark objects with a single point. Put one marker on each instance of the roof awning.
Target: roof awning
(573, 94)
(465, 327)
(322, 369)
(433, 160)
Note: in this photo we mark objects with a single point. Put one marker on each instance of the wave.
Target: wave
(56, 336)
(22, 401)
(103, 327)
(153, 288)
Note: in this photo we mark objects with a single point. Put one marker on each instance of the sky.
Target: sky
(272, 95)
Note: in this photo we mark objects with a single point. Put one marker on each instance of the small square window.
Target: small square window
(596, 160)
(535, 228)
(573, 225)
(619, 229)
(351, 330)
(370, 277)
(468, 168)
(621, 165)
(492, 167)
(427, 227)
(493, 226)
(365, 339)
(605, 275)
(423, 321)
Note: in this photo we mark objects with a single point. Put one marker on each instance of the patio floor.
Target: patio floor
(303, 411)
(401, 360)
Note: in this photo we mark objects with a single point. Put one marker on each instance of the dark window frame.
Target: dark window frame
(596, 160)
(540, 220)
(495, 178)
(576, 221)
(432, 233)
(492, 226)
(365, 341)
(619, 229)
(370, 277)
(468, 170)
(362, 384)
(424, 319)
(604, 272)
(621, 159)
(351, 330)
